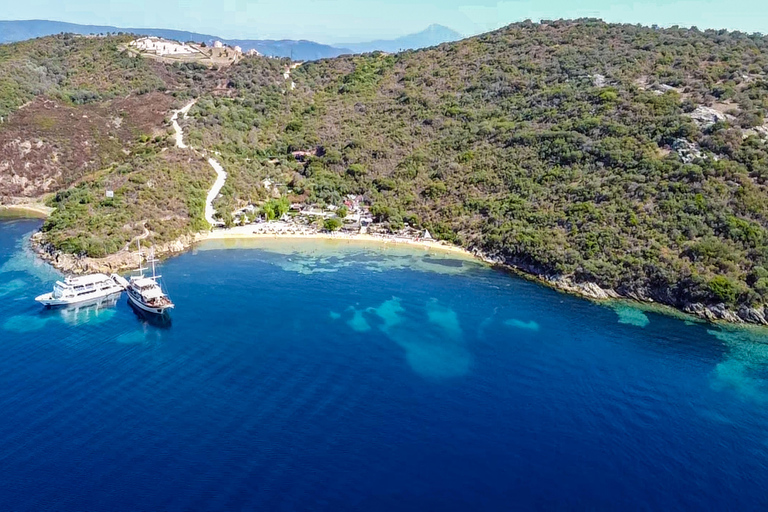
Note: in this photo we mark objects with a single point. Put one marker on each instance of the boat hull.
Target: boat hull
(49, 301)
(155, 310)
(162, 321)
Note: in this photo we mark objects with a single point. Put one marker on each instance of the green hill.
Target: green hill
(79, 117)
(630, 157)
(558, 147)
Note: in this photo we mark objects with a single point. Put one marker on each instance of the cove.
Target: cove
(313, 376)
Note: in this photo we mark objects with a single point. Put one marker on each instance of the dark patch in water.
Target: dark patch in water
(451, 263)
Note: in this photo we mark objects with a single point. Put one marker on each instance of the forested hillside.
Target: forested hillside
(79, 117)
(559, 147)
(631, 157)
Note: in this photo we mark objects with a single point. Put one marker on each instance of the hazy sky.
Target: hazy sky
(332, 21)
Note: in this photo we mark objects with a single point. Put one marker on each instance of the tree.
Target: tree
(228, 220)
(276, 208)
(356, 170)
(332, 224)
(724, 289)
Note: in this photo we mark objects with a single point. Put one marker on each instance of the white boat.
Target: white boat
(145, 293)
(80, 289)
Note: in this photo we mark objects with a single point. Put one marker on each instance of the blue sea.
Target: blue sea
(333, 376)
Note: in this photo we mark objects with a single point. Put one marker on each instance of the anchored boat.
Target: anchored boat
(80, 289)
(145, 292)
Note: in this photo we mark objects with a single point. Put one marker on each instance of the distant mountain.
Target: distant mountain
(431, 36)
(12, 31)
(296, 50)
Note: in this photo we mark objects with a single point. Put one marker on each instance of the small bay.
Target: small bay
(311, 375)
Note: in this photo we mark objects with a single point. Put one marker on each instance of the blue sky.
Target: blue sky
(332, 21)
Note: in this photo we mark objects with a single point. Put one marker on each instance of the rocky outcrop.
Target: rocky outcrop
(687, 150)
(712, 313)
(599, 80)
(660, 295)
(590, 290)
(759, 131)
(565, 283)
(753, 315)
(121, 261)
(707, 116)
(721, 312)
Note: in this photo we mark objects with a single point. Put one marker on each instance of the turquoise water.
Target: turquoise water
(331, 376)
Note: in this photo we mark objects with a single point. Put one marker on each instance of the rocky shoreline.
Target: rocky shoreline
(126, 260)
(118, 262)
(592, 291)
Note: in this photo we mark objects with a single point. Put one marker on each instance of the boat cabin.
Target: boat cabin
(148, 288)
(76, 286)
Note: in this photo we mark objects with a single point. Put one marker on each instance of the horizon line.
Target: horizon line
(340, 45)
(247, 38)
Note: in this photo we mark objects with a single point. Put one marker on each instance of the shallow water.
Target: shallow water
(322, 377)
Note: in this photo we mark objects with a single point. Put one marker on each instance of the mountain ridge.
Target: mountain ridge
(12, 31)
(302, 49)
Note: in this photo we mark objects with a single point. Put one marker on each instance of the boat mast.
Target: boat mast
(141, 269)
(152, 260)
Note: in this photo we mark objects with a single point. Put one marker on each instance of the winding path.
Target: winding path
(221, 176)
(287, 73)
(180, 134)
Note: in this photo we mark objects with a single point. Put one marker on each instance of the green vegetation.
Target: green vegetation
(565, 147)
(332, 224)
(160, 191)
(275, 208)
(510, 142)
(100, 128)
(74, 69)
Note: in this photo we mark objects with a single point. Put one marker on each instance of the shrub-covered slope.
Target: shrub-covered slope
(79, 118)
(567, 148)
(631, 157)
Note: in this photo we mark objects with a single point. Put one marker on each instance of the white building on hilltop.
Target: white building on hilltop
(160, 46)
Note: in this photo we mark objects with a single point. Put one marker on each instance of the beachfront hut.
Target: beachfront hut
(427, 235)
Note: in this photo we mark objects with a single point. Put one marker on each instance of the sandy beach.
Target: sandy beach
(33, 210)
(247, 232)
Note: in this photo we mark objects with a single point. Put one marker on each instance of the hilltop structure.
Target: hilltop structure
(160, 46)
(167, 50)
